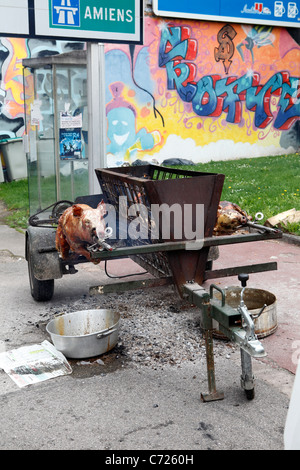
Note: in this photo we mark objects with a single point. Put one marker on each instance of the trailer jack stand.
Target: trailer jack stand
(247, 378)
(236, 324)
(213, 394)
(199, 297)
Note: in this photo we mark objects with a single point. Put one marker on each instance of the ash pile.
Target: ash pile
(157, 328)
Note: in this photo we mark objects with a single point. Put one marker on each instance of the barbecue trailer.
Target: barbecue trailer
(171, 258)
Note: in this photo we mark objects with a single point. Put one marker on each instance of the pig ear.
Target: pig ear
(77, 210)
(101, 206)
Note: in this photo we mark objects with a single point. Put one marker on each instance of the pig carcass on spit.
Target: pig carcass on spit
(78, 227)
(229, 218)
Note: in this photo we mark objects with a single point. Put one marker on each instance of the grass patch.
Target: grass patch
(266, 184)
(15, 197)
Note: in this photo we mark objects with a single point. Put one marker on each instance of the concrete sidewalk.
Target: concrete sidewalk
(139, 408)
(283, 345)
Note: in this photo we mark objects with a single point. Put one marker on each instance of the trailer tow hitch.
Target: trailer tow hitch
(236, 324)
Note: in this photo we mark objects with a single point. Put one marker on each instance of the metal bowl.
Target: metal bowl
(85, 333)
(254, 299)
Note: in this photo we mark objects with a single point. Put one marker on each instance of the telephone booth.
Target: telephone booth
(56, 122)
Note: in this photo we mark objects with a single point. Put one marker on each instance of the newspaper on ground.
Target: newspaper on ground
(35, 363)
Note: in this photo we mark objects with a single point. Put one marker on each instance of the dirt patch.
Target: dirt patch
(4, 212)
(4, 254)
(157, 329)
(99, 365)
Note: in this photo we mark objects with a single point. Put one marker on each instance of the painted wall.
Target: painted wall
(12, 51)
(194, 90)
(202, 91)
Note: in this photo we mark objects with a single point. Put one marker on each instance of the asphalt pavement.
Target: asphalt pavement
(134, 409)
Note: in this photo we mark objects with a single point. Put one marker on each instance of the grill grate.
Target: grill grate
(125, 187)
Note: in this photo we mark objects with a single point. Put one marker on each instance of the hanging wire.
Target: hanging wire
(155, 110)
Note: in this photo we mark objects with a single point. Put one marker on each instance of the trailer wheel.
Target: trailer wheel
(40, 290)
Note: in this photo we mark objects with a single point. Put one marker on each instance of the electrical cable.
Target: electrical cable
(155, 110)
(121, 277)
(36, 222)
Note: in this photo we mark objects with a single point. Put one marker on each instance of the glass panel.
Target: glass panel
(39, 128)
(57, 127)
(72, 131)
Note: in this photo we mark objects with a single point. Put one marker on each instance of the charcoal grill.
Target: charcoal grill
(172, 259)
(151, 185)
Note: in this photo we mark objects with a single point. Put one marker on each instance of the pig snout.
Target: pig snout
(100, 232)
(243, 220)
(96, 229)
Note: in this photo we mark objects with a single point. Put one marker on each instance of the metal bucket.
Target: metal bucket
(85, 333)
(255, 299)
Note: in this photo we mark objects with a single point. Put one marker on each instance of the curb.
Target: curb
(292, 239)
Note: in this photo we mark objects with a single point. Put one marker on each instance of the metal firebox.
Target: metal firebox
(152, 186)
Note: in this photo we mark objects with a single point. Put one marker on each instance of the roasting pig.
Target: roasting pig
(79, 226)
(229, 217)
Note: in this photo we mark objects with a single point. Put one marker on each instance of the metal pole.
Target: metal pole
(199, 297)
(247, 378)
(56, 131)
(212, 394)
(38, 166)
(96, 113)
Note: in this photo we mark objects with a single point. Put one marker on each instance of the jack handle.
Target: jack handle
(212, 287)
(243, 278)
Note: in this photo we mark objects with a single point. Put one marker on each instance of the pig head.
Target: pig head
(79, 226)
(229, 217)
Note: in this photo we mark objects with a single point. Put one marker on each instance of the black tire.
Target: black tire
(41, 291)
(250, 394)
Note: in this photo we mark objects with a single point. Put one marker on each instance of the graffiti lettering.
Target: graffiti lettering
(176, 45)
(226, 48)
(212, 95)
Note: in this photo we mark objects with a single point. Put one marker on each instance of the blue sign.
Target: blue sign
(65, 13)
(267, 12)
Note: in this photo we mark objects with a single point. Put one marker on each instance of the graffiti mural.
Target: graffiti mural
(11, 108)
(206, 91)
(226, 46)
(124, 140)
(213, 95)
(256, 36)
(130, 104)
(195, 90)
